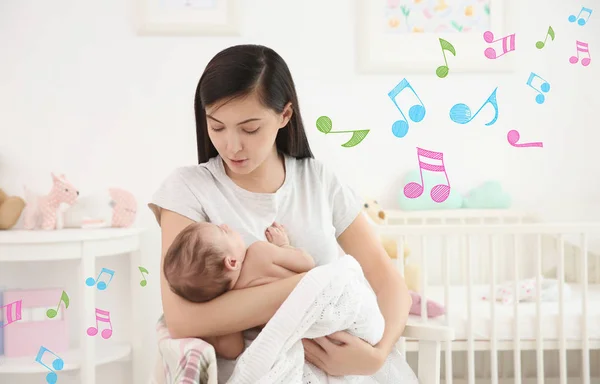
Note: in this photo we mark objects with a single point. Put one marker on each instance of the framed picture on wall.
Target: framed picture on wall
(396, 36)
(187, 17)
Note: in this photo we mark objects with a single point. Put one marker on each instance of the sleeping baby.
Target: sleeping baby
(206, 260)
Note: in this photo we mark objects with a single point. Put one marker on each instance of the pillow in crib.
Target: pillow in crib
(488, 195)
(425, 200)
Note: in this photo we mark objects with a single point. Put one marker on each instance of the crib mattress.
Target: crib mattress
(505, 315)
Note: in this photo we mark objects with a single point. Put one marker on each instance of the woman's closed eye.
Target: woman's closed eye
(251, 131)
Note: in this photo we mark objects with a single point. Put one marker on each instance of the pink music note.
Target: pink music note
(581, 47)
(508, 45)
(103, 316)
(513, 137)
(10, 316)
(440, 192)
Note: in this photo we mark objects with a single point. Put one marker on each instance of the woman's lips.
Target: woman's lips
(238, 162)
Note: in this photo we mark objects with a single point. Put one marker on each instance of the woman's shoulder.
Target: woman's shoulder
(314, 168)
(192, 174)
(308, 165)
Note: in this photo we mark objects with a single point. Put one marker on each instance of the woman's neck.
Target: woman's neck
(266, 178)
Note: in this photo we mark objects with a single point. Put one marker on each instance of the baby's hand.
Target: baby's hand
(276, 235)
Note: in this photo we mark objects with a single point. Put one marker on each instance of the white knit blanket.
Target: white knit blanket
(330, 298)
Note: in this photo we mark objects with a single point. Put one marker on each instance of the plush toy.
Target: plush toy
(412, 272)
(11, 208)
(374, 211)
(488, 195)
(434, 309)
(45, 211)
(113, 207)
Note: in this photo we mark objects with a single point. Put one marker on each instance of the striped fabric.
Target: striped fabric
(183, 361)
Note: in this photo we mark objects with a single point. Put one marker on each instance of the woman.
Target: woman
(255, 168)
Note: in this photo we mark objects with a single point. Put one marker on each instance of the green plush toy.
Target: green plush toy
(488, 195)
(424, 201)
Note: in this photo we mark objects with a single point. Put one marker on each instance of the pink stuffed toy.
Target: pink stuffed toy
(111, 207)
(434, 309)
(45, 211)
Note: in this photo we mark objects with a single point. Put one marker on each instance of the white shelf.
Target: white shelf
(67, 244)
(20, 236)
(72, 359)
(83, 246)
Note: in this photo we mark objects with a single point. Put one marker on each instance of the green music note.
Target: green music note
(51, 313)
(144, 281)
(541, 44)
(442, 70)
(324, 125)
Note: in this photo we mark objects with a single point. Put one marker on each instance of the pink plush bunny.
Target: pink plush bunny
(434, 309)
(41, 211)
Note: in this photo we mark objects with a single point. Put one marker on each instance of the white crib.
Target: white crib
(464, 253)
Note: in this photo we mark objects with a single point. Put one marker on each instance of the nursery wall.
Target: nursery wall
(81, 94)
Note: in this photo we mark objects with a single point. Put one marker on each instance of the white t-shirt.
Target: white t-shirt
(313, 205)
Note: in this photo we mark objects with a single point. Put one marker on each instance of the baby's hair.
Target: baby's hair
(194, 266)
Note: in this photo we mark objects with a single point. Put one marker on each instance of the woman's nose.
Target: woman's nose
(234, 143)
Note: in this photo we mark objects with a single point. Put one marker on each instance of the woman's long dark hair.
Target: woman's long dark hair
(238, 71)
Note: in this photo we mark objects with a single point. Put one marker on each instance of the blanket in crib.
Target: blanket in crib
(330, 298)
(183, 361)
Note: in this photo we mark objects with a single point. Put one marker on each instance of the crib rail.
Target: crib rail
(490, 254)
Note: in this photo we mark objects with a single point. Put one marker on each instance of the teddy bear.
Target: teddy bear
(412, 272)
(11, 208)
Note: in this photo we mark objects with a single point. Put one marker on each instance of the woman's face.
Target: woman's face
(243, 131)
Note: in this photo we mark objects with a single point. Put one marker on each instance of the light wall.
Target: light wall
(81, 94)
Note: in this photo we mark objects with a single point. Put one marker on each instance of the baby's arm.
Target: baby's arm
(294, 259)
(284, 255)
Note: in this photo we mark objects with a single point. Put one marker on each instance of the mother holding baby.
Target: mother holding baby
(255, 167)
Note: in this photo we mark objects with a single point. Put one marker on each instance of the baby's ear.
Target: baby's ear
(231, 264)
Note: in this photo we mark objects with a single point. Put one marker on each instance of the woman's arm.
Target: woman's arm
(228, 346)
(234, 311)
(361, 241)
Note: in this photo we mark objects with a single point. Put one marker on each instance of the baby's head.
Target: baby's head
(204, 261)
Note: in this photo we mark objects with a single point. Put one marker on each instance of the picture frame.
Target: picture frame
(187, 17)
(380, 52)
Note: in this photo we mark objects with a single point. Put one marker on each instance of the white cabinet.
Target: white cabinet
(85, 247)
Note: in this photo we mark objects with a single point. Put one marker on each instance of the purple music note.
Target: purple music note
(103, 316)
(16, 307)
(513, 137)
(440, 192)
(508, 45)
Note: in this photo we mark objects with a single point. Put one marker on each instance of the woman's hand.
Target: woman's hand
(342, 354)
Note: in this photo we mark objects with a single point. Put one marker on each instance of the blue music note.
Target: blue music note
(57, 364)
(416, 113)
(461, 113)
(580, 20)
(545, 87)
(101, 285)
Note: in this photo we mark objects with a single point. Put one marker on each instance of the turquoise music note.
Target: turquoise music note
(57, 365)
(461, 113)
(545, 87)
(580, 20)
(101, 285)
(416, 113)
